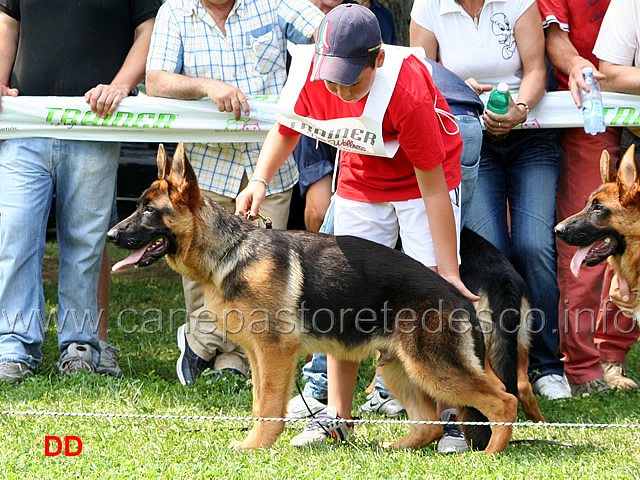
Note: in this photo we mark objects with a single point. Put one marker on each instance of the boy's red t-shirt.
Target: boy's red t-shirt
(411, 118)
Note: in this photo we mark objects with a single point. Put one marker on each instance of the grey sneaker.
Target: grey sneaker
(326, 425)
(108, 364)
(383, 404)
(297, 407)
(78, 358)
(452, 441)
(14, 372)
(587, 388)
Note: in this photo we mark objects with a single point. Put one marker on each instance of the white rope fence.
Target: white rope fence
(295, 420)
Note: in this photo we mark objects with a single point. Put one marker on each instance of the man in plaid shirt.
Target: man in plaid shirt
(225, 50)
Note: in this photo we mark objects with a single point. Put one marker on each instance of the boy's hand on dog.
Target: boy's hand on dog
(456, 282)
(250, 199)
(622, 295)
(6, 91)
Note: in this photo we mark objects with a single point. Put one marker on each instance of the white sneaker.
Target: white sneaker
(326, 425)
(298, 409)
(78, 358)
(552, 386)
(452, 441)
(386, 405)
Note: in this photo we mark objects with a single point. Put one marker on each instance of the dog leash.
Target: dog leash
(267, 221)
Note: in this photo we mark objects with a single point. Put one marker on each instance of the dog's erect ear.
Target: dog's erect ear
(607, 170)
(628, 171)
(183, 178)
(163, 163)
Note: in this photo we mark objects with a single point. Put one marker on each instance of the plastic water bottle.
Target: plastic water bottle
(499, 99)
(592, 109)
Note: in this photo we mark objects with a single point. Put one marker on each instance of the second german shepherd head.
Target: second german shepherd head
(609, 224)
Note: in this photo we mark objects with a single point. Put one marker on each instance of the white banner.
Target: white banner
(153, 119)
(138, 119)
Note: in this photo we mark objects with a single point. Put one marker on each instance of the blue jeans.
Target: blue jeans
(471, 132)
(523, 169)
(82, 175)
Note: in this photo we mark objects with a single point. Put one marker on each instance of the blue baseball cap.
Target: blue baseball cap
(347, 35)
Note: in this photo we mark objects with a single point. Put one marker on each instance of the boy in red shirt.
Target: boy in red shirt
(415, 193)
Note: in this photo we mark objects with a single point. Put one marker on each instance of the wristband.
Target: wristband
(526, 107)
(258, 179)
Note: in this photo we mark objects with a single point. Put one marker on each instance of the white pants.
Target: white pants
(382, 222)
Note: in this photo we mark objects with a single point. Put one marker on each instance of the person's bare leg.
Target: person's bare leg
(317, 200)
(341, 379)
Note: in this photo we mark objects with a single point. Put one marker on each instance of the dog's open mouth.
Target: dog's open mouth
(145, 256)
(593, 254)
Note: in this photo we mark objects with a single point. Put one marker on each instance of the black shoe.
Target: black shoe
(189, 365)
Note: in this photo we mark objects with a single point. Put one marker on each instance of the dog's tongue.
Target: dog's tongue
(133, 258)
(578, 258)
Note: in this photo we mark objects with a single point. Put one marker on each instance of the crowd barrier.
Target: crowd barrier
(152, 119)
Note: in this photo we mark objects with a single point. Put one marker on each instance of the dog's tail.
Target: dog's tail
(477, 436)
(506, 318)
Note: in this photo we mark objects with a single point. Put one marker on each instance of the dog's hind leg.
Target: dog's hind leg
(525, 391)
(468, 384)
(418, 404)
(273, 368)
(485, 394)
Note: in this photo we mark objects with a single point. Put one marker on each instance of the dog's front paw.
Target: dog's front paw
(245, 445)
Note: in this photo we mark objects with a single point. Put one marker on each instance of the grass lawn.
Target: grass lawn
(143, 323)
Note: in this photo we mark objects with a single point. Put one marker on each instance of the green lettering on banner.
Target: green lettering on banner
(94, 121)
(164, 120)
(626, 112)
(119, 116)
(70, 116)
(141, 119)
(106, 120)
(52, 111)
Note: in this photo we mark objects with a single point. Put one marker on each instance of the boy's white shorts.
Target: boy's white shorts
(381, 222)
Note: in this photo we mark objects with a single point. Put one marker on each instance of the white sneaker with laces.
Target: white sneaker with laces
(326, 425)
(383, 404)
(552, 386)
(298, 409)
(78, 357)
(452, 441)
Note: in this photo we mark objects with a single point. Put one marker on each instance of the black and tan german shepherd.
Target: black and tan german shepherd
(504, 311)
(283, 293)
(609, 225)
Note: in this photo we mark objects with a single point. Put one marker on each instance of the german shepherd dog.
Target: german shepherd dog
(609, 225)
(283, 293)
(504, 311)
